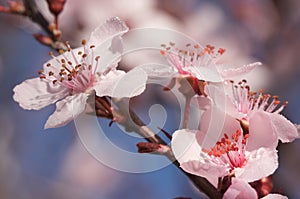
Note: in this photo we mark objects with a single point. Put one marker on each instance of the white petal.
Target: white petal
(119, 85)
(204, 73)
(66, 110)
(239, 189)
(111, 28)
(260, 163)
(108, 42)
(105, 85)
(185, 146)
(285, 129)
(243, 70)
(191, 158)
(34, 94)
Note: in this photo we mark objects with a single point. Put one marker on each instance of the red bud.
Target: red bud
(56, 6)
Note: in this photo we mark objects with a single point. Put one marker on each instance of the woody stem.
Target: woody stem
(132, 123)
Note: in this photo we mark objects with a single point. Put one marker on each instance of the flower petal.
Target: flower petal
(239, 189)
(66, 110)
(106, 83)
(118, 84)
(36, 93)
(285, 129)
(204, 73)
(191, 158)
(261, 131)
(158, 71)
(113, 27)
(214, 123)
(260, 163)
(243, 70)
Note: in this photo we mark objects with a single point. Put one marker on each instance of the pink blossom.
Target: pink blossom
(258, 114)
(202, 63)
(71, 77)
(222, 154)
(240, 189)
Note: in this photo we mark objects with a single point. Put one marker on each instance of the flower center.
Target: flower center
(191, 56)
(73, 70)
(229, 150)
(246, 101)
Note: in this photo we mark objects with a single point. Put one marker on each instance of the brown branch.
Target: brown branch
(32, 11)
(132, 123)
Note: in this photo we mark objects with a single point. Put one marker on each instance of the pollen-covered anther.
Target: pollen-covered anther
(97, 58)
(230, 150)
(221, 51)
(172, 43)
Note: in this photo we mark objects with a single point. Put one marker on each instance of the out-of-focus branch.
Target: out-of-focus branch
(132, 123)
(36, 16)
(30, 9)
(53, 34)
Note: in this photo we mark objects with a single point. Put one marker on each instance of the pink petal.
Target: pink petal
(221, 99)
(34, 94)
(262, 133)
(285, 129)
(204, 73)
(233, 72)
(118, 84)
(191, 158)
(239, 189)
(274, 196)
(113, 27)
(214, 124)
(66, 110)
(260, 163)
(201, 102)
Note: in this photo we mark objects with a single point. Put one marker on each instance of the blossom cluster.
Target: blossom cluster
(235, 144)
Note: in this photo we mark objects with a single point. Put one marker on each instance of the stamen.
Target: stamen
(230, 151)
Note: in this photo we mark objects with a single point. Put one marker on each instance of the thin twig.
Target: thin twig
(132, 122)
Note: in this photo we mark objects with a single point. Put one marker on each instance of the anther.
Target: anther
(61, 51)
(97, 58)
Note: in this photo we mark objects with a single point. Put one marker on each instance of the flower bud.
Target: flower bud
(56, 6)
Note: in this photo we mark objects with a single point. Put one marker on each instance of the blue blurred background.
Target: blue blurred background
(37, 163)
